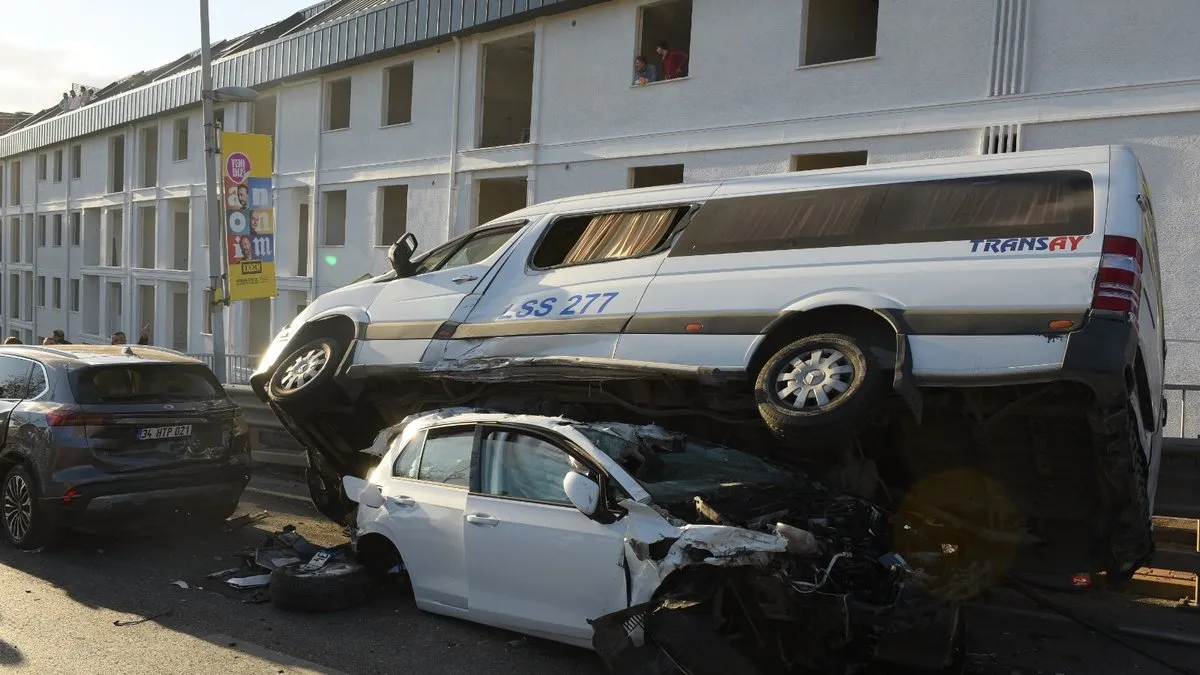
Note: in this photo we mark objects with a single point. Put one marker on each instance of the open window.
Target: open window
(814, 161)
(397, 103)
(337, 104)
(507, 92)
(668, 23)
(498, 197)
(393, 214)
(334, 224)
(651, 176)
(179, 150)
(839, 30)
(602, 237)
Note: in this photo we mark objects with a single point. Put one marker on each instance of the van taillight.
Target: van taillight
(68, 416)
(1119, 283)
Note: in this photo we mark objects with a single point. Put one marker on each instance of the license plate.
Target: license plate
(159, 433)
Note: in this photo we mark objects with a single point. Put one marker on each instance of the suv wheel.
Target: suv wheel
(821, 383)
(25, 524)
(303, 376)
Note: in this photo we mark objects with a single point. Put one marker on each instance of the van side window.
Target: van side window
(466, 250)
(576, 240)
(1029, 205)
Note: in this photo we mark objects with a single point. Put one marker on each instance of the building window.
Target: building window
(41, 230)
(149, 140)
(507, 91)
(58, 166)
(116, 164)
(337, 104)
(839, 30)
(58, 229)
(206, 328)
(828, 160)
(76, 162)
(180, 151)
(41, 166)
(41, 291)
(397, 105)
(650, 176)
(334, 231)
(73, 295)
(393, 214)
(498, 197)
(76, 228)
(14, 184)
(56, 292)
(665, 40)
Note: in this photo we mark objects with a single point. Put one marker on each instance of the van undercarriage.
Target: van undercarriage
(1043, 478)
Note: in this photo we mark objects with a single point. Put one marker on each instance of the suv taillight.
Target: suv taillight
(1119, 283)
(69, 416)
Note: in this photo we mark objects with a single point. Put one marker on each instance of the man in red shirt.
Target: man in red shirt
(674, 62)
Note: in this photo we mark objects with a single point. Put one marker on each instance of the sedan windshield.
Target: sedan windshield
(672, 467)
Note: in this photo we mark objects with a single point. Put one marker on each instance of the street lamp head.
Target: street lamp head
(235, 95)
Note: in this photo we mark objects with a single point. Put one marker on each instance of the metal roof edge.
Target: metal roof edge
(373, 33)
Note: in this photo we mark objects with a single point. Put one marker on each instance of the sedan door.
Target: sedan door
(535, 563)
(424, 502)
(407, 312)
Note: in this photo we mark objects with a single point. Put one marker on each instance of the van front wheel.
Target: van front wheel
(822, 383)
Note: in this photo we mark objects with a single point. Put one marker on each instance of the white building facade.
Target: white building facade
(429, 116)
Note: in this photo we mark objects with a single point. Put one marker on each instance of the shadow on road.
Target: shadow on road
(133, 575)
(10, 655)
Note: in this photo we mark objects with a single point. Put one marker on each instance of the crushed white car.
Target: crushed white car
(574, 532)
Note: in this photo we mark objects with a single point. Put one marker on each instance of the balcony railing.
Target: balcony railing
(238, 367)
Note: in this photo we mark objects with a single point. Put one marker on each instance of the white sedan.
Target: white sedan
(539, 524)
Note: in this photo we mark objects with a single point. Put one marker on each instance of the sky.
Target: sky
(45, 45)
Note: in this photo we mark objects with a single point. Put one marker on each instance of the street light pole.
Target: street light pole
(216, 225)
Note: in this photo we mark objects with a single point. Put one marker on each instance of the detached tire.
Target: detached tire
(336, 586)
(304, 376)
(694, 646)
(822, 383)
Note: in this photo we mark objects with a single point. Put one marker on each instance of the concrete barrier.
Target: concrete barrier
(270, 443)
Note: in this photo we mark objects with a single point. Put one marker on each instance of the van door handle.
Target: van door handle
(464, 278)
(482, 520)
(402, 501)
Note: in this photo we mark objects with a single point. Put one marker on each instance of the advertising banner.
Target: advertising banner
(249, 215)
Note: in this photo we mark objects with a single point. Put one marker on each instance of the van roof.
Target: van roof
(99, 354)
(883, 172)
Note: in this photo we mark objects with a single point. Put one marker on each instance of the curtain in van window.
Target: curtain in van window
(620, 235)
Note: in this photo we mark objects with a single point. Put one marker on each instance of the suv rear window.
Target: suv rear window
(158, 382)
(1049, 203)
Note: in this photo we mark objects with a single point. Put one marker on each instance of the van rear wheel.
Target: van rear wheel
(818, 384)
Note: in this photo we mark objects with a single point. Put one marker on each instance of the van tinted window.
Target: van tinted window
(166, 383)
(1051, 203)
(576, 240)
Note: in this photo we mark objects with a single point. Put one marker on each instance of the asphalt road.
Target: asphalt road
(58, 608)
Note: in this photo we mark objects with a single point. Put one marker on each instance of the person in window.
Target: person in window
(49, 340)
(59, 337)
(643, 73)
(674, 61)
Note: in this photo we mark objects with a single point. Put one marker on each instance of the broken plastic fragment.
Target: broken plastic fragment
(256, 581)
(799, 540)
(318, 561)
(181, 584)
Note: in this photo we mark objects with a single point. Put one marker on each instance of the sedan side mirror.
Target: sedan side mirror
(362, 492)
(583, 492)
(401, 253)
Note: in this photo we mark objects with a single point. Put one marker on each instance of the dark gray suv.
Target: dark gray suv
(101, 436)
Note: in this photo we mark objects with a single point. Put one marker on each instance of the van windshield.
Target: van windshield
(159, 382)
(476, 249)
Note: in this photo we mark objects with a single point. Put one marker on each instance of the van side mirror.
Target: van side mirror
(401, 253)
(583, 492)
(362, 492)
